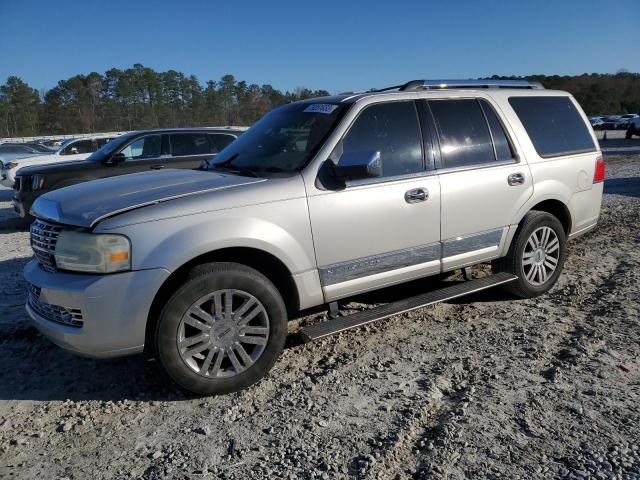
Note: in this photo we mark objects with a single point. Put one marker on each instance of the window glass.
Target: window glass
(13, 149)
(145, 147)
(284, 140)
(219, 141)
(101, 142)
(189, 144)
(463, 133)
(81, 146)
(500, 140)
(553, 124)
(391, 129)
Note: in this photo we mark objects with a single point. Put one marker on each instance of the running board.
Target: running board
(459, 289)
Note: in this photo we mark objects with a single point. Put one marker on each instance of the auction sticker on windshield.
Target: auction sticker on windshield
(321, 108)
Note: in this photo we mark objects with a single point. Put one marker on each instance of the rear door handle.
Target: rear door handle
(416, 195)
(156, 167)
(515, 179)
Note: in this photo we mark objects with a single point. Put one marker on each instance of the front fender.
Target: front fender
(281, 229)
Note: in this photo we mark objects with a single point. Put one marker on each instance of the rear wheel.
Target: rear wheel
(536, 255)
(222, 330)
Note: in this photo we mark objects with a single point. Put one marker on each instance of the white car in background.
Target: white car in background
(70, 150)
(10, 151)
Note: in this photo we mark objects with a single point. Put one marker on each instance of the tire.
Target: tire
(630, 132)
(526, 287)
(221, 337)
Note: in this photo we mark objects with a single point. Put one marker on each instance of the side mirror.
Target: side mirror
(117, 158)
(359, 165)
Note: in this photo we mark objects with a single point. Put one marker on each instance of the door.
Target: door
(385, 230)
(141, 154)
(483, 184)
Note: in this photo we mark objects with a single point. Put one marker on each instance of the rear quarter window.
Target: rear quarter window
(554, 125)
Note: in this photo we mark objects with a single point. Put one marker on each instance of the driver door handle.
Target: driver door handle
(156, 167)
(515, 179)
(416, 195)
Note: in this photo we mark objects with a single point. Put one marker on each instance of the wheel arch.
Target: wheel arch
(558, 209)
(264, 262)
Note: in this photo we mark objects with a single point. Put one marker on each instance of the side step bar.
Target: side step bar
(459, 289)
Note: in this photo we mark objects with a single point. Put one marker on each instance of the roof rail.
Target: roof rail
(449, 84)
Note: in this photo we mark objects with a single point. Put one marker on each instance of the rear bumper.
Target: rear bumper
(114, 309)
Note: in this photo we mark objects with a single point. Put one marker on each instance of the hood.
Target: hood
(46, 164)
(87, 203)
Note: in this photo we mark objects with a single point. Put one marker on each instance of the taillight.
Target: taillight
(598, 175)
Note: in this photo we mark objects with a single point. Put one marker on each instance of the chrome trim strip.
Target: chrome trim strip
(478, 166)
(394, 178)
(469, 243)
(373, 264)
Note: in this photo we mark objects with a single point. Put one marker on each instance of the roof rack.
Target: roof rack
(414, 85)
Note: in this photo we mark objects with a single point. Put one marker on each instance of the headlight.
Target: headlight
(10, 165)
(37, 182)
(93, 252)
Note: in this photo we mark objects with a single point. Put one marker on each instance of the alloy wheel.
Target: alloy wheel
(223, 333)
(541, 256)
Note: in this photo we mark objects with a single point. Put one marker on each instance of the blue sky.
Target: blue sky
(335, 45)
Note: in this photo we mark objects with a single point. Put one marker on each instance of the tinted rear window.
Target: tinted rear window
(553, 124)
(183, 144)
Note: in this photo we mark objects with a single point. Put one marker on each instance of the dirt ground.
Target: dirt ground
(484, 387)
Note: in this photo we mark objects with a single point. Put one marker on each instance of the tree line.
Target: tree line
(139, 97)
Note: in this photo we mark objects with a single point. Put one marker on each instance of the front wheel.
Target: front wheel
(536, 255)
(222, 330)
(630, 133)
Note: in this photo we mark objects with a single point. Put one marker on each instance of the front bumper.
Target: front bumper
(22, 203)
(114, 309)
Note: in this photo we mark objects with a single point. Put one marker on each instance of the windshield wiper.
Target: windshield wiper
(228, 165)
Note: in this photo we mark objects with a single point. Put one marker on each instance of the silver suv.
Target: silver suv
(320, 200)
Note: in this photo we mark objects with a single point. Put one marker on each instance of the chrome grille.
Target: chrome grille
(44, 236)
(71, 317)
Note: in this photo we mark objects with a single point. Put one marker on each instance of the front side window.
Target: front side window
(81, 146)
(463, 133)
(284, 140)
(184, 144)
(144, 147)
(553, 124)
(391, 129)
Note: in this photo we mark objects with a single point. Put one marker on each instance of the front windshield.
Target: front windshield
(111, 146)
(284, 140)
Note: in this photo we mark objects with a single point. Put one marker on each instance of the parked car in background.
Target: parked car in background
(611, 122)
(617, 122)
(634, 127)
(70, 150)
(320, 200)
(596, 122)
(12, 151)
(132, 152)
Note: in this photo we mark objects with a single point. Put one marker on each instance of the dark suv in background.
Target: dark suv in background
(133, 152)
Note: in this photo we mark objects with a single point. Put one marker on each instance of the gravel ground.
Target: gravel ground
(485, 387)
